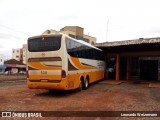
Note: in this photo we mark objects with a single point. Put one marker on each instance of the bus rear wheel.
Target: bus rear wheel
(86, 84)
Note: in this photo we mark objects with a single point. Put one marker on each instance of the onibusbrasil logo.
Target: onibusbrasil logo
(21, 114)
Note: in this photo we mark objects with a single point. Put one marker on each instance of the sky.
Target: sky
(107, 20)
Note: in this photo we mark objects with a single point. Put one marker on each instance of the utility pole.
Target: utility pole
(107, 30)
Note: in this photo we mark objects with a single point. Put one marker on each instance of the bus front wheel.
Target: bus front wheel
(80, 85)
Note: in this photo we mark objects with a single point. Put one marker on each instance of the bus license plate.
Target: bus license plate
(44, 80)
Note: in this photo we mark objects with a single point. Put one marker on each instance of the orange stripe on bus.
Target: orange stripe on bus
(79, 65)
(38, 65)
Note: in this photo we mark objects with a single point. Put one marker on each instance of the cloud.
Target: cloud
(9, 36)
(127, 19)
(1, 47)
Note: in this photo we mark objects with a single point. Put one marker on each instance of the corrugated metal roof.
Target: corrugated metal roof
(13, 61)
(129, 42)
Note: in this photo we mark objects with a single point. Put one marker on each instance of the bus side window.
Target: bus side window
(94, 54)
(83, 54)
(87, 54)
(76, 54)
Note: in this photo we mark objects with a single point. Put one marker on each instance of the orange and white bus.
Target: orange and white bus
(60, 62)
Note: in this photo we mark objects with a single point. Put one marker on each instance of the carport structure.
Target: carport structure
(133, 59)
(14, 66)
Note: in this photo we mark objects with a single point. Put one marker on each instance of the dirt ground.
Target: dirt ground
(127, 96)
(12, 77)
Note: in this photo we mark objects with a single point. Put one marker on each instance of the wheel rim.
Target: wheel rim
(86, 83)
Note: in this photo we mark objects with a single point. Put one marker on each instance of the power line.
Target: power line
(12, 29)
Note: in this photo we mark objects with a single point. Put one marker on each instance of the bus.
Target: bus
(60, 62)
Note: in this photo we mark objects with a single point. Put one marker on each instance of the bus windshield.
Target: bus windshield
(41, 44)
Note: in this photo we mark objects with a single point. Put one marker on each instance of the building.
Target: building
(133, 59)
(24, 53)
(1, 59)
(19, 54)
(75, 32)
(2, 66)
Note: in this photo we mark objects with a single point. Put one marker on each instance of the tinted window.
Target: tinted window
(41, 44)
(76, 49)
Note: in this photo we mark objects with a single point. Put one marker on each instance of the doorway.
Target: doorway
(149, 69)
(123, 68)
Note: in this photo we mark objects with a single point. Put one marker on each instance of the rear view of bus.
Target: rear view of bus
(44, 64)
(59, 62)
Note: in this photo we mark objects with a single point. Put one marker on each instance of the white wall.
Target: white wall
(16, 54)
(24, 55)
(1, 59)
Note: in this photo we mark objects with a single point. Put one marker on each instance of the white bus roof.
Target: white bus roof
(77, 40)
(83, 42)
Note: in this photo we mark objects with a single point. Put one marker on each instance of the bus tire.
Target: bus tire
(86, 84)
(81, 84)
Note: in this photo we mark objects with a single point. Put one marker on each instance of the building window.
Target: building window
(13, 51)
(17, 51)
(17, 56)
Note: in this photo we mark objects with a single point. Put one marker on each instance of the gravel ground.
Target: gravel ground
(15, 96)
